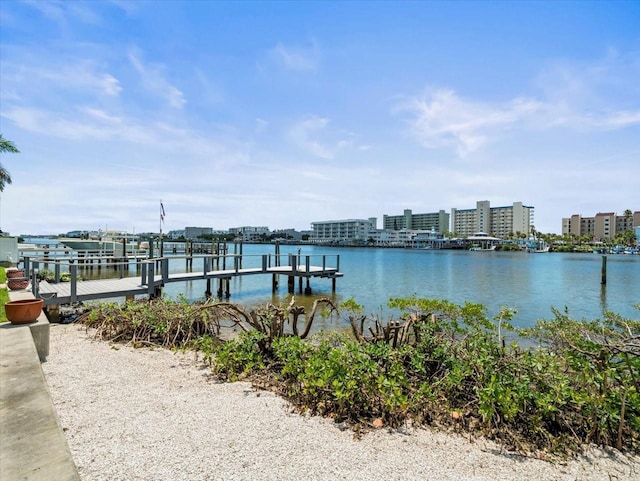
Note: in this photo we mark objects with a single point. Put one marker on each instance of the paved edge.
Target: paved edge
(33, 444)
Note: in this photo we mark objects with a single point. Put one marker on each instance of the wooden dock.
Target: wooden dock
(155, 274)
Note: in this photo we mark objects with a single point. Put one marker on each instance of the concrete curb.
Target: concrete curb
(33, 444)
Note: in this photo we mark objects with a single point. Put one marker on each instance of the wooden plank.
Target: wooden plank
(130, 286)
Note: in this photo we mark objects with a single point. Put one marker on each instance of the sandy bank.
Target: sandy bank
(139, 414)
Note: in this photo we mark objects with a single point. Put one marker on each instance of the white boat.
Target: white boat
(481, 241)
(91, 245)
(112, 243)
(538, 246)
(479, 248)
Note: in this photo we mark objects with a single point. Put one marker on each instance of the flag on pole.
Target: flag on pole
(162, 214)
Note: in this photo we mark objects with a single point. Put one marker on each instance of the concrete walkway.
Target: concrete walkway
(32, 444)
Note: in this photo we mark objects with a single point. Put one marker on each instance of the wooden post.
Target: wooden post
(603, 279)
(276, 278)
(207, 293)
(307, 289)
(151, 273)
(73, 268)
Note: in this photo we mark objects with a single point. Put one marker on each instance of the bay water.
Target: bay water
(531, 283)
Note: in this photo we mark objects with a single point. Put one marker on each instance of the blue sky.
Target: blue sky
(285, 113)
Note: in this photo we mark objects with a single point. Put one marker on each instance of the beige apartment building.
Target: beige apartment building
(604, 225)
(495, 221)
(437, 221)
(343, 231)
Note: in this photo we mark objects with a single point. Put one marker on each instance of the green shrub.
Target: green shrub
(236, 359)
(439, 363)
(579, 386)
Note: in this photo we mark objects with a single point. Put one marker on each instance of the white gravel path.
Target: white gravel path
(139, 414)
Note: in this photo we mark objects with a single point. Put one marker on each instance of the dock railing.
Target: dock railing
(153, 273)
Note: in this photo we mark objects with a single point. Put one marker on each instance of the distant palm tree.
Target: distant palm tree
(6, 146)
(627, 215)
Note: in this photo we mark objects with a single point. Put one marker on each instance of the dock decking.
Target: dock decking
(150, 283)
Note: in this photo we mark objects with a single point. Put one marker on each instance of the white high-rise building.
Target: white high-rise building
(346, 231)
(495, 221)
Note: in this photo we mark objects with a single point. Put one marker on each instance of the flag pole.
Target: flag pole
(161, 222)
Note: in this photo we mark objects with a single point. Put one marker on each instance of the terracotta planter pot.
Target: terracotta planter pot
(23, 311)
(13, 273)
(17, 284)
(16, 279)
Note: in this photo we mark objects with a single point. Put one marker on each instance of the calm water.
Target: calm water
(530, 283)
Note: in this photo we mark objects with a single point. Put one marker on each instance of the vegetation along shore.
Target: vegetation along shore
(438, 364)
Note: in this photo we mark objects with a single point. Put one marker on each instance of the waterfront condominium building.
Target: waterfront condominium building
(196, 232)
(495, 221)
(347, 231)
(250, 233)
(604, 225)
(435, 221)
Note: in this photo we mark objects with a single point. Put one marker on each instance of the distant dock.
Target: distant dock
(152, 274)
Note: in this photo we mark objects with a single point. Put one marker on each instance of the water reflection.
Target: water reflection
(530, 283)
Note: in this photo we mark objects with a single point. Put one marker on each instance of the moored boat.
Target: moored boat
(111, 243)
(481, 241)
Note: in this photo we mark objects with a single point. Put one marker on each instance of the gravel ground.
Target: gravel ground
(140, 414)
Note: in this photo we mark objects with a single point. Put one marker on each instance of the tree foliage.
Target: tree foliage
(6, 146)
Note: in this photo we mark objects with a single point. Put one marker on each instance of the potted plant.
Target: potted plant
(16, 279)
(23, 311)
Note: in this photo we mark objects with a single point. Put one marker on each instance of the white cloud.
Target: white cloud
(610, 82)
(154, 81)
(91, 124)
(441, 118)
(603, 94)
(79, 76)
(64, 13)
(83, 124)
(296, 58)
(53, 11)
(313, 135)
(83, 76)
(305, 134)
(620, 119)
